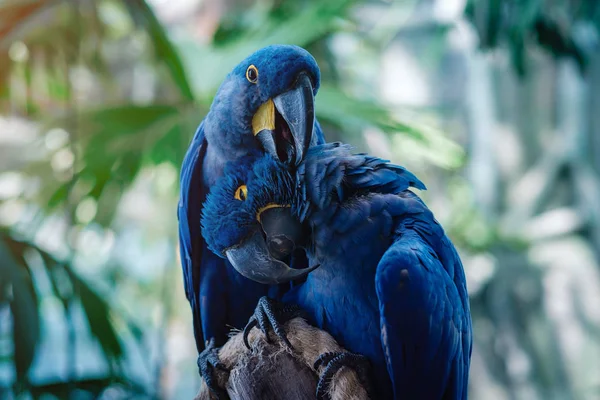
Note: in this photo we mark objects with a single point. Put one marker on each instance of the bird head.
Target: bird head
(266, 102)
(247, 218)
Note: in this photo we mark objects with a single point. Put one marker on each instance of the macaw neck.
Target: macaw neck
(212, 166)
(216, 158)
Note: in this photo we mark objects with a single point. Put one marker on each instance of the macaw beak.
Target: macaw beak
(259, 257)
(284, 124)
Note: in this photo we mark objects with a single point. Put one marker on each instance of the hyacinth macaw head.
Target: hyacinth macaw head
(248, 219)
(266, 102)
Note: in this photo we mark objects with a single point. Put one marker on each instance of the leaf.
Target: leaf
(492, 23)
(96, 386)
(117, 141)
(97, 312)
(522, 24)
(48, 29)
(59, 196)
(26, 323)
(210, 63)
(518, 52)
(96, 309)
(23, 305)
(165, 52)
(337, 108)
(173, 144)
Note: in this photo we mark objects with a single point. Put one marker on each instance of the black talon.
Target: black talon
(264, 327)
(333, 361)
(271, 313)
(251, 324)
(208, 360)
(324, 359)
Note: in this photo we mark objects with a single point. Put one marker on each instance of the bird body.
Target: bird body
(390, 285)
(286, 77)
(346, 296)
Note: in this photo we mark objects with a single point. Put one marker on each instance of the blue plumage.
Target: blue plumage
(267, 181)
(390, 284)
(220, 297)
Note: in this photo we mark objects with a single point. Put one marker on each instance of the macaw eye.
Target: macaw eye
(252, 74)
(241, 193)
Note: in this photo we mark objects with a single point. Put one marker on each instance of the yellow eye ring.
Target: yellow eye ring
(241, 193)
(252, 74)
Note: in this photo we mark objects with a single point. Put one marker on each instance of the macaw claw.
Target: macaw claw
(332, 362)
(208, 361)
(270, 313)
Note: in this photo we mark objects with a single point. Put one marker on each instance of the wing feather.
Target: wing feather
(188, 214)
(426, 329)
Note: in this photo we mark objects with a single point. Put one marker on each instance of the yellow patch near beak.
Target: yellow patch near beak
(264, 118)
(269, 206)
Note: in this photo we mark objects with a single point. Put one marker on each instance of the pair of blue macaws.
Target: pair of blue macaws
(367, 260)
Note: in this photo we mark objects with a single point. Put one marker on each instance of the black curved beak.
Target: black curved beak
(252, 259)
(282, 230)
(284, 125)
(261, 256)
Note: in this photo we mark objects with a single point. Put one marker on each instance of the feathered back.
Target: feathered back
(331, 172)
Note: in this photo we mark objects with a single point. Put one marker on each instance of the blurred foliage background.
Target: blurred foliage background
(494, 104)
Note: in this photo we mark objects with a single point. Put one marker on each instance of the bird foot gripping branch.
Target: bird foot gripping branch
(265, 105)
(269, 370)
(331, 364)
(271, 314)
(212, 370)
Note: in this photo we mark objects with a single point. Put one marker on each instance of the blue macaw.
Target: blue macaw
(386, 281)
(265, 104)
